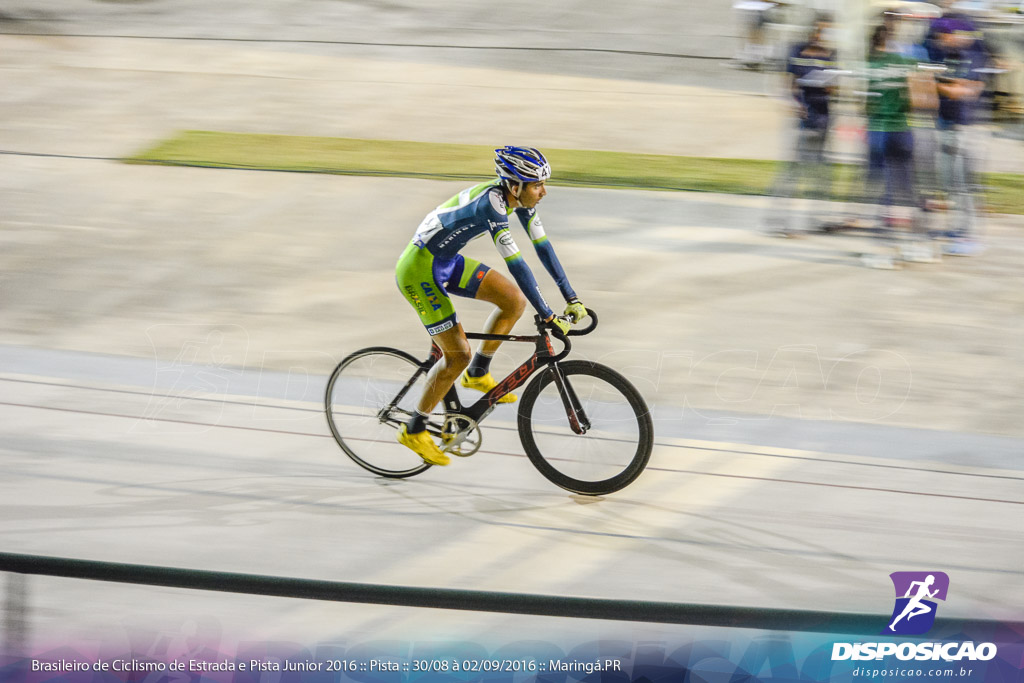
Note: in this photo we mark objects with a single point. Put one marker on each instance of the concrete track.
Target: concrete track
(167, 332)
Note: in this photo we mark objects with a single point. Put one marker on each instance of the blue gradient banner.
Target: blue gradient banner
(701, 656)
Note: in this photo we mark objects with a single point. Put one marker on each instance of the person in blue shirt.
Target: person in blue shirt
(959, 88)
(812, 69)
(431, 268)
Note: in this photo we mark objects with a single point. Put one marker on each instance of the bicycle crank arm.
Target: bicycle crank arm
(462, 439)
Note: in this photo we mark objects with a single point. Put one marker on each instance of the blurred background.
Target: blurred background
(829, 407)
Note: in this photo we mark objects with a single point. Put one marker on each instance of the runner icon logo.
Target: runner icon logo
(916, 592)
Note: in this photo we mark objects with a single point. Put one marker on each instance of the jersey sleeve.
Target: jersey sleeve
(545, 251)
(497, 224)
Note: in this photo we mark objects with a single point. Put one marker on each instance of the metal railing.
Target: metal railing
(472, 600)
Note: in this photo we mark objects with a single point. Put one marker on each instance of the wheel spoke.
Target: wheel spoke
(360, 390)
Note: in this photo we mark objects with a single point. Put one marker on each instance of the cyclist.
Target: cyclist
(431, 268)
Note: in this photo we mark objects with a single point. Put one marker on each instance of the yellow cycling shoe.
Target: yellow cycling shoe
(485, 383)
(423, 446)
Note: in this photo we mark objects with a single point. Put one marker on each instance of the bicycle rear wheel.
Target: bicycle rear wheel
(614, 450)
(369, 395)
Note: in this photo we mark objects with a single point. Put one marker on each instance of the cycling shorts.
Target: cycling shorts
(426, 281)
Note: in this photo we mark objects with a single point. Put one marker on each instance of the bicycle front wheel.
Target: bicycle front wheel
(369, 395)
(616, 446)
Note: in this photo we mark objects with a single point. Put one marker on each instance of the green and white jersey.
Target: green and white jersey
(482, 209)
(469, 214)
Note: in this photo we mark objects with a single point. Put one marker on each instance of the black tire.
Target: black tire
(359, 388)
(612, 454)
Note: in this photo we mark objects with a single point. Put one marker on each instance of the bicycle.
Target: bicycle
(584, 426)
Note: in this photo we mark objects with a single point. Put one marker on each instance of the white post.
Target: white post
(15, 615)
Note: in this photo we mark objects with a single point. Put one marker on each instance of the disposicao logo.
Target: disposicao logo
(916, 592)
(912, 615)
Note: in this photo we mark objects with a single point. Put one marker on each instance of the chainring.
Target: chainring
(461, 436)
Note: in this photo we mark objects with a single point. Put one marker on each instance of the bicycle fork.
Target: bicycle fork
(578, 420)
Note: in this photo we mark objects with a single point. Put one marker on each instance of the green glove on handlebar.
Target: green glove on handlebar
(575, 310)
(562, 322)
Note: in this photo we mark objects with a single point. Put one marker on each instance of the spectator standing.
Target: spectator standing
(906, 36)
(811, 71)
(894, 90)
(959, 88)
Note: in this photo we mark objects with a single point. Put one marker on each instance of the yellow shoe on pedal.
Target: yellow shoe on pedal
(423, 446)
(485, 383)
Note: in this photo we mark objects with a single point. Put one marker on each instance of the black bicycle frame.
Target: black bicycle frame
(544, 354)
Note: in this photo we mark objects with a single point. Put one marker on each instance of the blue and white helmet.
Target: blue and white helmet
(521, 164)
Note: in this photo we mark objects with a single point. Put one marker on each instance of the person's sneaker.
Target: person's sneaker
(422, 445)
(880, 261)
(485, 383)
(963, 247)
(918, 252)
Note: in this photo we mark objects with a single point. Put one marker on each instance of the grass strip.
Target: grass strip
(352, 156)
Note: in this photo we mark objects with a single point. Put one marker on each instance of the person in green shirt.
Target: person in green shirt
(895, 90)
(890, 142)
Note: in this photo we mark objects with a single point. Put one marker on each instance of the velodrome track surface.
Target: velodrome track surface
(100, 467)
(191, 435)
(166, 334)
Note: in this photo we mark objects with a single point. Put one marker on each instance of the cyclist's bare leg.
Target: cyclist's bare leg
(497, 289)
(442, 375)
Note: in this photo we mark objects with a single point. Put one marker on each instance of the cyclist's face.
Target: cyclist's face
(531, 194)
